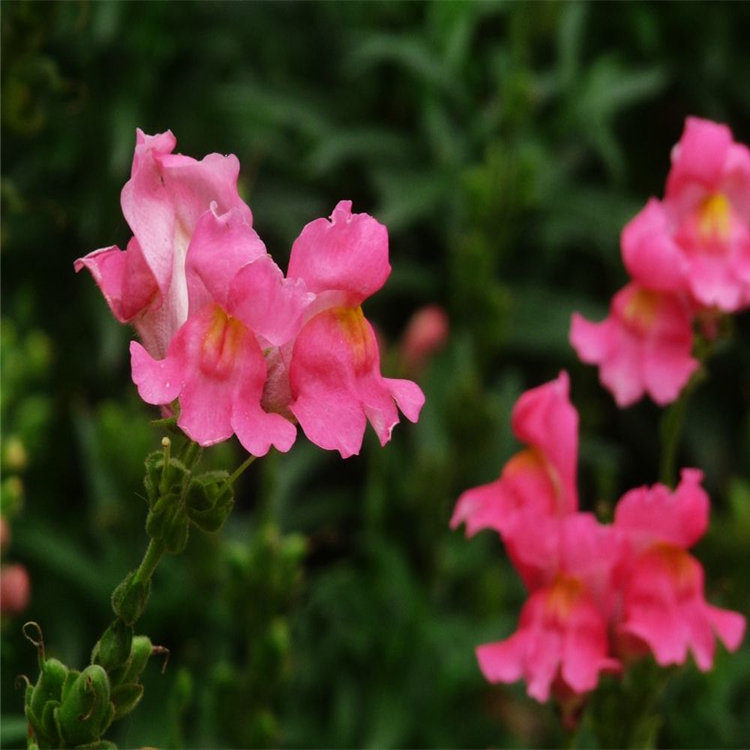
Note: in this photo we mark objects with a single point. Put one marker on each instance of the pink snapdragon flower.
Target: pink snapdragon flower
(643, 347)
(426, 334)
(663, 601)
(697, 239)
(332, 367)
(562, 644)
(239, 303)
(15, 589)
(539, 481)
(163, 200)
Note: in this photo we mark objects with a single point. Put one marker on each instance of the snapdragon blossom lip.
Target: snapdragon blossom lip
(561, 643)
(333, 364)
(539, 481)
(214, 363)
(663, 604)
(162, 202)
(643, 347)
(697, 240)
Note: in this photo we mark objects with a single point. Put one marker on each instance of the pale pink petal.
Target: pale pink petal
(267, 303)
(220, 246)
(163, 200)
(650, 253)
(349, 253)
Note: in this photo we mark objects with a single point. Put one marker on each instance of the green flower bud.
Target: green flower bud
(49, 686)
(130, 597)
(113, 648)
(126, 697)
(209, 500)
(140, 653)
(86, 711)
(161, 483)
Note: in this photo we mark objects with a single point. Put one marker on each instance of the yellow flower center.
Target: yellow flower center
(221, 343)
(714, 218)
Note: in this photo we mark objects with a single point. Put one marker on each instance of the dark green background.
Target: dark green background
(504, 145)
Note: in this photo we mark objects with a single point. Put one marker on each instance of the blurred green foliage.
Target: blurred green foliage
(504, 145)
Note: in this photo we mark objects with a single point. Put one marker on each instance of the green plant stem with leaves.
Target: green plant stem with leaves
(71, 709)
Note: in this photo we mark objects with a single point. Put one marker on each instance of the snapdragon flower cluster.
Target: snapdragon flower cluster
(242, 348)
(689, 259)
(600, 595)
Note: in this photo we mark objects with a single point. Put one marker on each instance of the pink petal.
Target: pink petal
(219, 247)
(654, 514)
(349, 253)
(124, 279)
(267, 303)
(544, 418)
(336, 382)
(164, 198)
(650, 253)
(729, 626)
(215, 365)
(698, 157)
(158, 381)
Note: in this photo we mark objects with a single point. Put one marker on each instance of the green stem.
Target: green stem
(241, 468)
(150, 561)
(671, 430)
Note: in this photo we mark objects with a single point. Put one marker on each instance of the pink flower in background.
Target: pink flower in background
(663, 601)
(562, 643)
(643, 347)
(540, 481)
(333, 365)
(426, 334)
(697, 239)
(15, 589)
(162, 202)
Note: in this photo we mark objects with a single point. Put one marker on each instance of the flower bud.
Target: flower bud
(209, 500)
(161, 482)
(113, 648)
(126, 697)
(130, 597)
(43, 698)
(86, 711)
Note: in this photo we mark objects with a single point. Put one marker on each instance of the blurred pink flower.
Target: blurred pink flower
(540, 481)
(561, 644)
(663, 601)
(697, 239)
(15, 589)
(643, 346)
(162, 202)
(426, 334)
